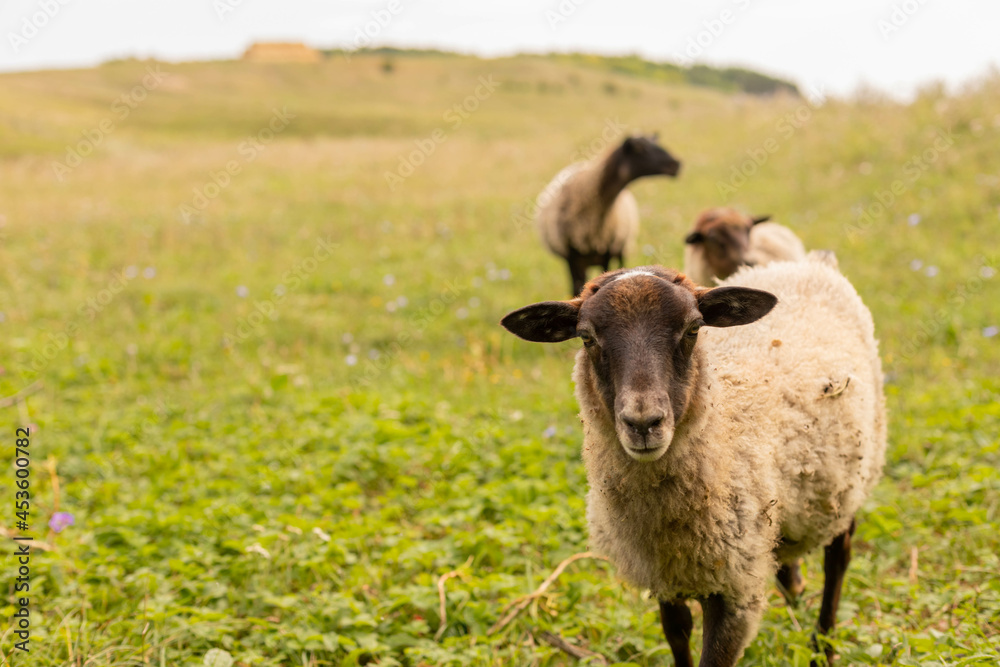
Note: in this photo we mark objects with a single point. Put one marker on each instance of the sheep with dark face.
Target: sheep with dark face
(723, 240)
(727, 432)
(587, 217)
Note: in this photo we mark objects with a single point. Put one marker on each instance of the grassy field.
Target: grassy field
(268, 382)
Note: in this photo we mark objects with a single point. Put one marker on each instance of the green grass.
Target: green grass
(238, 485)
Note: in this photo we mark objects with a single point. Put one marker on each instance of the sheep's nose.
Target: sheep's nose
(643, 424)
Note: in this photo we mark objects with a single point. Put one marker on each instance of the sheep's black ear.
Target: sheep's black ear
(629, 145)
(760, 218)
(694, 237)
(546, 322)
(730, 306)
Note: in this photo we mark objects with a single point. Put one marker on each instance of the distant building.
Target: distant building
(282, 52)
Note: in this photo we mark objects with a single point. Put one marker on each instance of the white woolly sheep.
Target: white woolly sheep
(723, 240)
(719, 447)
(587, 217)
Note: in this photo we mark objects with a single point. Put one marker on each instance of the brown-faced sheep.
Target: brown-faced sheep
(587, 217)
(727, 432)
(723, 240)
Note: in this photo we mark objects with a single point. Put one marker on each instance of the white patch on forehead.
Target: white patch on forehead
(632, 274)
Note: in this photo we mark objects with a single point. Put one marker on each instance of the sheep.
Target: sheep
(723, 240)
(587, 217)
(719, 448)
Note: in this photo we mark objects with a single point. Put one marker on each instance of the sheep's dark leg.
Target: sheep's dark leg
(621, 260)
(675, 617)
(727, 630)
(577, 270)
(790, 582)
(835, 559)
(606, 261)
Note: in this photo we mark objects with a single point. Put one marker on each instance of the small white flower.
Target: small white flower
(373, 354)
(242, 291)
(477, 282)
(916, 265)
(347, 338)
(391, 306)
(321, 534)
(648, 250)
(461, 313)
(931, 271)
(351, 360)
(402, 301)
(389, 280)
(255, 548)
(473, 302)
(504, 274)
(294, 529)
(149, 273)
(131, 271)
(985, 272)
(280, 290)
(549, 432)
(914, 219)
(990, 332)
(3, 317)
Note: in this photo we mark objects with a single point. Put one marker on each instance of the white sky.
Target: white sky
(833, 46)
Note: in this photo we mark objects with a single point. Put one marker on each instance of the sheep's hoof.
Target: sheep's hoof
(791, 583)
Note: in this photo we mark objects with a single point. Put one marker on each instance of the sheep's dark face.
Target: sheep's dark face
(639, 329)
(642, 156)
(723, 235)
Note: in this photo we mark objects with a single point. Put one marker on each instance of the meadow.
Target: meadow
(249, 315)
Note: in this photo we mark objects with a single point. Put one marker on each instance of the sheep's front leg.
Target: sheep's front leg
(577, 270)
(728, 629)
(835, 559)
(791, 583)
(675, 617)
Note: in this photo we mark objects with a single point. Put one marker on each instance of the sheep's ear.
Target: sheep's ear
(546, 322)
(730, 306)
(629, 146)
(694, 237)
(760, 218)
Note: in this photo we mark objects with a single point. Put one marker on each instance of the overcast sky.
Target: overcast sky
(894, 45)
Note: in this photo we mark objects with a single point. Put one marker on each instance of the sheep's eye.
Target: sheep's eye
(586, 337)
(693, 330)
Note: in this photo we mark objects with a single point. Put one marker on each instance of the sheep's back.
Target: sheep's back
(771, 242)
(808, 378)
